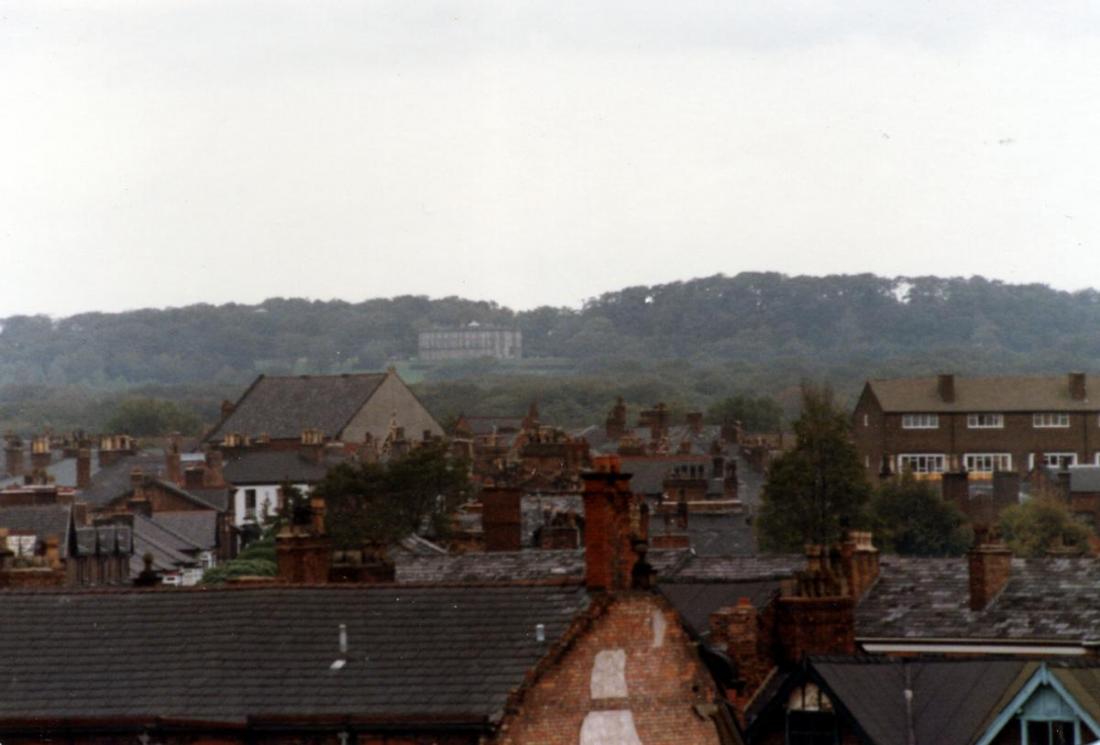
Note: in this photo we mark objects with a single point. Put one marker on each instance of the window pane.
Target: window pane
(1061, 733)
(1038, 733)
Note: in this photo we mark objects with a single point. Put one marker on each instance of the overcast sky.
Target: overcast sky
(157, 153)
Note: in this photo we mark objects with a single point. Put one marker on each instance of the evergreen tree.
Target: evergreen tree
(816, 491)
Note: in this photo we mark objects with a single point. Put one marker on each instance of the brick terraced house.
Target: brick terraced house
(941, 424)
(598, 659)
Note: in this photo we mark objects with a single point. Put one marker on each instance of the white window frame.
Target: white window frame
(1072, 457)
(920, 421)
(969, 459)
(976, 421)
(933, 462)
(1050, 420)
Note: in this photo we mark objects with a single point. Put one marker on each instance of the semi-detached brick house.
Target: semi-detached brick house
(940, 424)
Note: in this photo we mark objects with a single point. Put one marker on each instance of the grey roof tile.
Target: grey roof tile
(181, 653)
(282, 407)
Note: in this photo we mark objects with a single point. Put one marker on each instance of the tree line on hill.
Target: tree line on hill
(691, 344)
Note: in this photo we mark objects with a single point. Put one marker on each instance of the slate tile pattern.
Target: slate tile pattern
(274, 467)
(198, 527)
(114, 480)
(502, 566)
(1054, 599)
(952, 699)
(282, 407)
(223, 655)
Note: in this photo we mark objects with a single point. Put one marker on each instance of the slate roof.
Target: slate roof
(114, 480)
(199, 527)
(995, 394)
(169, 549)
(1047, 599)
(496, 566)
(695, 601)
(448, 654)
(41, 520)
(217, 497)
(721, 534)
(952, 699)
(281, 407)
(742, 568)
(273, 467)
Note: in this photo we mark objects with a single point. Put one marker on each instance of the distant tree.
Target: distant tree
(373, 503)
(756, 413)
(817, 490)
(1040, 524)
(912, 519)
(149, 417)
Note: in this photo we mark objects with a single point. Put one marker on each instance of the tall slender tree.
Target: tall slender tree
(816, 491)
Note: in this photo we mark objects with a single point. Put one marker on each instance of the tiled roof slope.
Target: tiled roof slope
(199, 527)
(450, 654)
(274, 467)
(42, 520)
(951, 699)
(282, 407)
(114, 480)
(999, 394)
(1049, 599)
(498, 566)
(695, 601)
(722, 568)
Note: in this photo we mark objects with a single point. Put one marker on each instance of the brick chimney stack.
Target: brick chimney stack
(173, 472)
(860, 560)
(194, 477)
(1077, 390)
(213, 476)
(83, 468)
(990, 567)
(945, 386)
(616, 420)
(615, 526)
(502, 518)
(14, 462)
(695, 422)
(302, 548)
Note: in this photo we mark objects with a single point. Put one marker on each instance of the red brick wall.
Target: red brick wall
(663, 682)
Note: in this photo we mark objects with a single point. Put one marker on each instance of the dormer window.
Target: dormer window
(985, 421)
(920, 421)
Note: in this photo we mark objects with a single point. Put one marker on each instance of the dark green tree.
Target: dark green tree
(1043, 523)
(816, 491)
(756, 413)
(149, 417)
(374, 503)
(912, 519)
